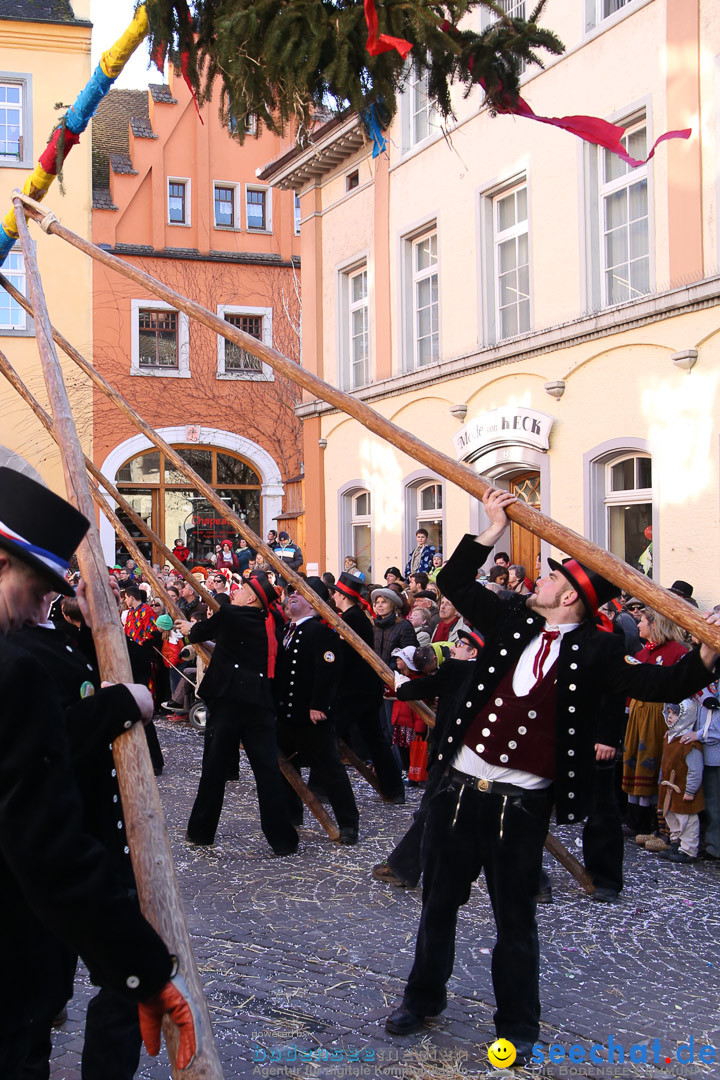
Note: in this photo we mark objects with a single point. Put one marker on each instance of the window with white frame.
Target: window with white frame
(424, 504)
(178, 202)
(257, 209)
(423, 299)
(361, 531)
(11, 121)
(624, 220)
(12, 317)
(597, 11)
(226, 206)
(235, 361)
(619, 489)
(160, 340)
(297, 212)
(512, 262)
(628, 508)
(355, 324)
(420, 117)
(16, 135)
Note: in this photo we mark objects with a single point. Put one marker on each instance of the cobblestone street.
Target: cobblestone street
(303, 958)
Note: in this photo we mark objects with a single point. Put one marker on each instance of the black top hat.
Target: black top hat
(263, 588)
(39, 527)
(318, 586)
(351, 586)
(593, 589)
(682, 588)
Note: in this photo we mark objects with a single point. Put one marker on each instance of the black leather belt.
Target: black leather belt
(479, 783)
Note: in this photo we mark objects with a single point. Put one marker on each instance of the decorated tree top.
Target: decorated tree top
(285, 60)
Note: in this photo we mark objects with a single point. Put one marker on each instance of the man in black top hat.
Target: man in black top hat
(238, 690)
(360, 694)
(307, 680)
(527, 736)
(56, 880)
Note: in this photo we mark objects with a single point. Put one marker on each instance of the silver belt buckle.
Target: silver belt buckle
(483, 784)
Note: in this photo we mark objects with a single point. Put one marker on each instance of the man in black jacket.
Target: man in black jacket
(56, 880)
(360, 695)
(526, 736)
(238, 690)
(306, 685)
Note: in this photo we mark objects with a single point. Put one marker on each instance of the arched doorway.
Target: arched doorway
(524, 545)
(161, 495)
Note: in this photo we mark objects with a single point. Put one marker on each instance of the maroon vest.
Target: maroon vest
(518, 732)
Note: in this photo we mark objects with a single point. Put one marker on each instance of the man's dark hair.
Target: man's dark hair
(424, 657)
(502, 555)
(421, 578)
(423, 531)
(328, 578)
(70, 609)
(136, 593)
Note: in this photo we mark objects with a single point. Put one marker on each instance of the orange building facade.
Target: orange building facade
(180, 199)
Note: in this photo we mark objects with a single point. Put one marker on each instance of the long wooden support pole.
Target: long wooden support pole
(291, 774)
(147, 837)
(224, 510)
(605, 563)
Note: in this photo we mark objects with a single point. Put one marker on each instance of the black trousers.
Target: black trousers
(602, 836)
(316, 745)
(362, 715)
(229, 723)
(465, 832)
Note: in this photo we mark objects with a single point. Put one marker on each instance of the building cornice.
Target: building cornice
(603, 324)
(47, 37)
(243, 258)
(335, 141)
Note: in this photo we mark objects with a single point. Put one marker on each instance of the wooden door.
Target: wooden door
(524, 545)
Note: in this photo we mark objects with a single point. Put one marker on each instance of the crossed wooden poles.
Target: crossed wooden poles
(148, 839)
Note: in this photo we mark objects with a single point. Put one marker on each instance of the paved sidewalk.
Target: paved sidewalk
(303, 958)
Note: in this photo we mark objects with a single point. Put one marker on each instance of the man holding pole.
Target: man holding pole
(526, 737)
(55, 879)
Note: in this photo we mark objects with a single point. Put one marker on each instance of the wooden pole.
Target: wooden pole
(238, 524)
(149, 844)
(605, 563)
(291, 774)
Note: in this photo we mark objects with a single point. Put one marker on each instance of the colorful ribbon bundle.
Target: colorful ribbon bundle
(76, 119)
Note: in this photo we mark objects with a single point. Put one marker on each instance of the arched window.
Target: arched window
(619, 507)
(429, 512)
(160, 494)
(628, 507)
(424, 509)
(356, 528)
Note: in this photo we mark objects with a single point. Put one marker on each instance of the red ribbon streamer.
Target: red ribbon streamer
(158, 58)
(592, 129)
(377, 44)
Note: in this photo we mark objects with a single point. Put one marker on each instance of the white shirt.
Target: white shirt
(467, 761)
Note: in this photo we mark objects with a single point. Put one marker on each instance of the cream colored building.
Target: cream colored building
(44, 59)
(524, 301)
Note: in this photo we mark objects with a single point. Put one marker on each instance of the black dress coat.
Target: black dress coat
(55, 878)
(359, 680)
(591, 665)
(238, 670)
(308, 672)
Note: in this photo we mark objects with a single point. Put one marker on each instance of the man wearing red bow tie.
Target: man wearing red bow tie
(527, 737)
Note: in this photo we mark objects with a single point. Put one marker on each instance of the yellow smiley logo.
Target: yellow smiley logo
(501, 1053)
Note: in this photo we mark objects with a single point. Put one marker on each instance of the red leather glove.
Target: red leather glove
(174, 1001)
